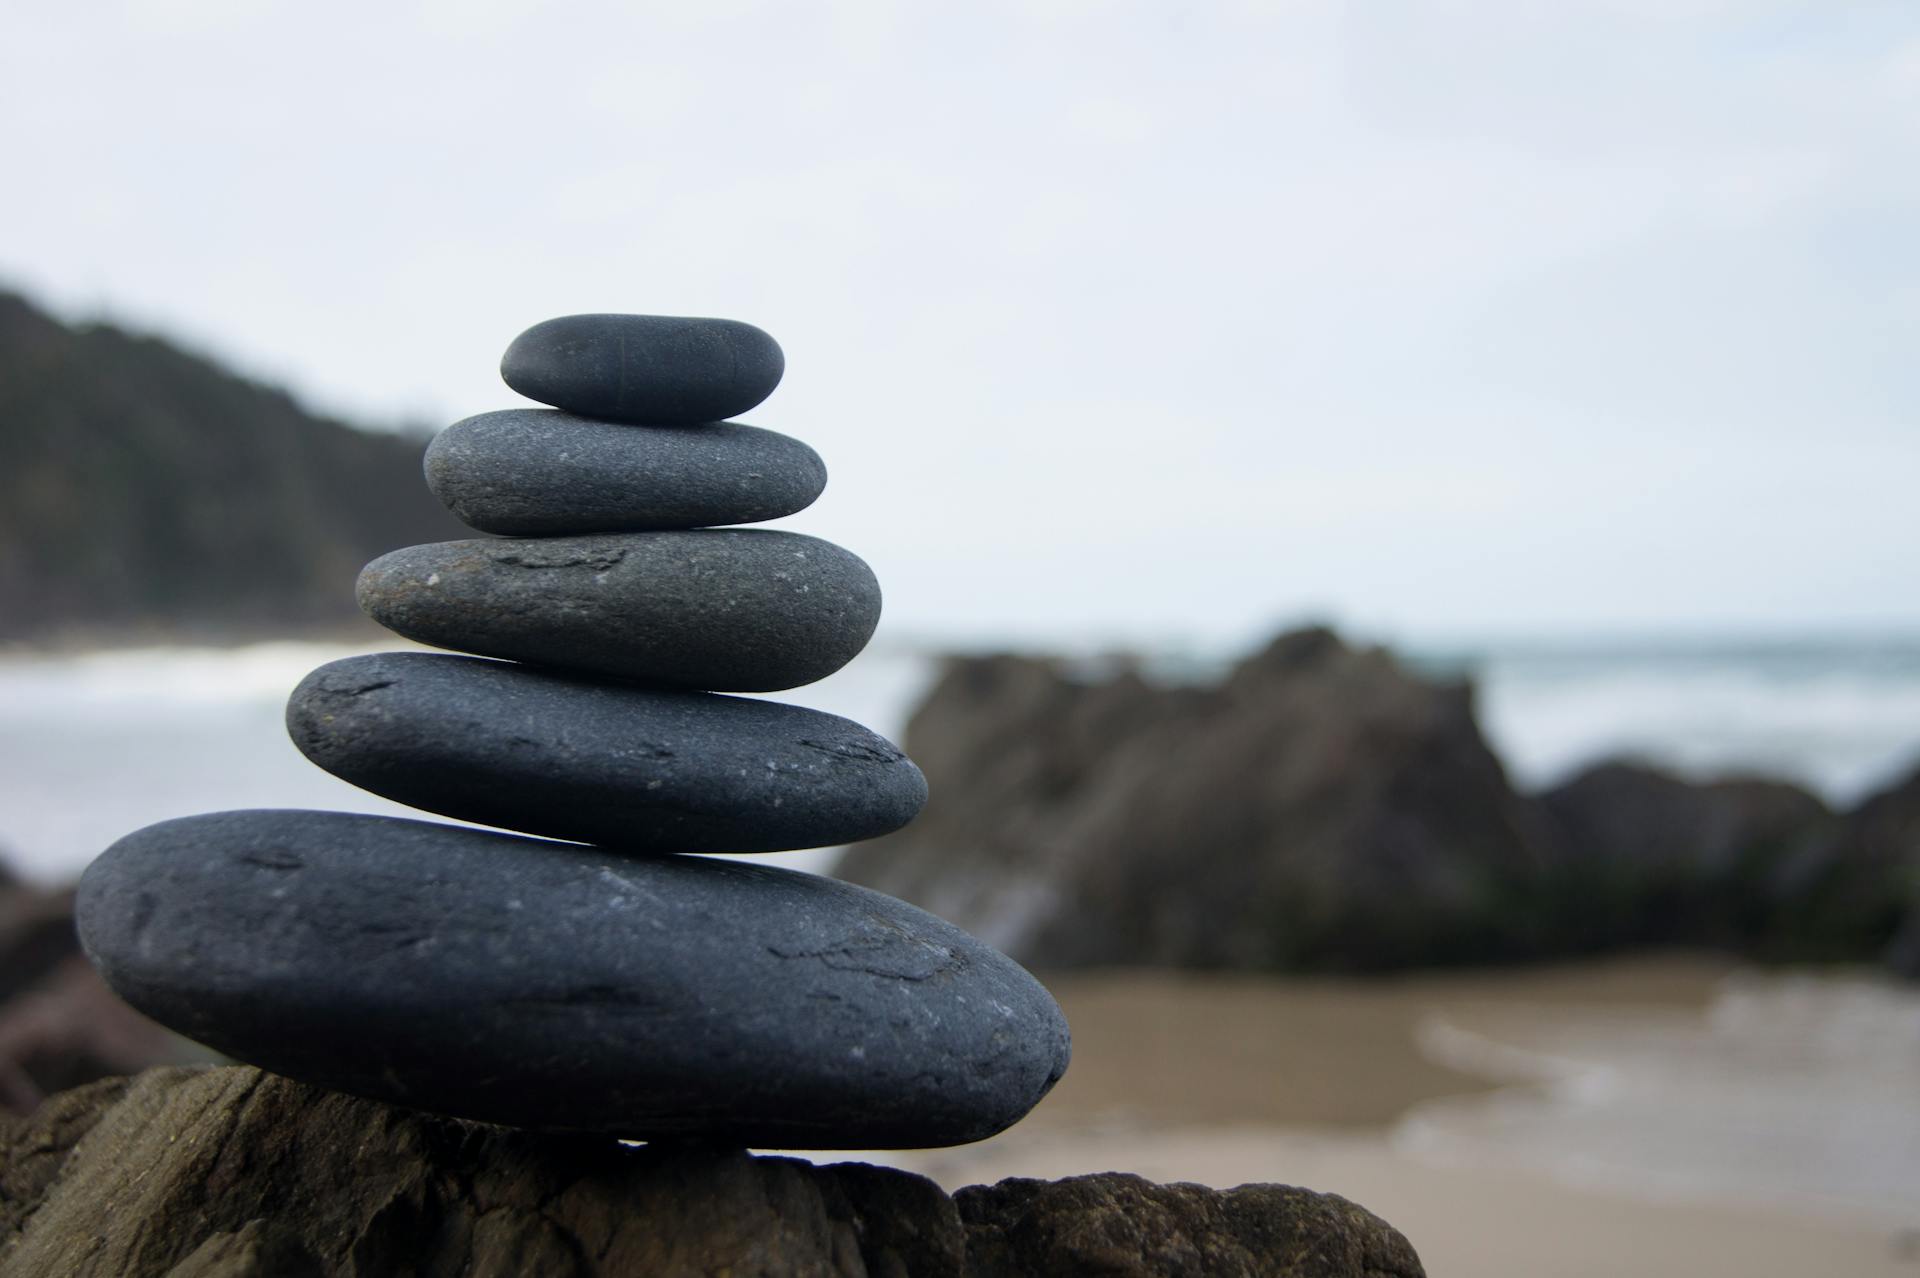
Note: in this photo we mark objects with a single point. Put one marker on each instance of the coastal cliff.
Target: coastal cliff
(146, 491)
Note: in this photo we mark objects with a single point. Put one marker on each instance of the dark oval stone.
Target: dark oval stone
(620, 766)
(737, 610)
(645, 368)
(558, 987)
(538, 472)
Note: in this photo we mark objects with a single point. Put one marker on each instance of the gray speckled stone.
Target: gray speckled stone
(645, 368)
(557, 987)
(538, 472)
(626, 767)
(736, 610)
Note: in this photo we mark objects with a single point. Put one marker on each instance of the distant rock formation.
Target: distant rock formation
(36, 932)
(145, 489)
(1323, 808)
(1651, 859)
(231, 1173)
(1854, 892)
(59, 1024)
(1903, 949)
(1320, 808)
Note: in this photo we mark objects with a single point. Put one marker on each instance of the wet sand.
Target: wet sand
(1230, 1080)
(1167, 1049)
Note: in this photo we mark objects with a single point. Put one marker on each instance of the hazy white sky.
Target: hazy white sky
(1146, 319)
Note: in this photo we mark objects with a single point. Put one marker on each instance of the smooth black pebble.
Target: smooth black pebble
(558, 987)
(645, 368)
(625, 767)
(719, 609)
(538, 472)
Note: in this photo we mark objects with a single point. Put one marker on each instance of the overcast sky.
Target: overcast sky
(1443, 317)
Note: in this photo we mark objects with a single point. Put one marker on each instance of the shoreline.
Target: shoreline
(1484, 1222)
(1332, 1084)
(1171, 1048)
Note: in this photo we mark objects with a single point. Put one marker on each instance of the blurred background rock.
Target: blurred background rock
(1397, 522)
(1321, 808)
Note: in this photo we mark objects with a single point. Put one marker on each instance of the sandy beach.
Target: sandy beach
(1491, 1118)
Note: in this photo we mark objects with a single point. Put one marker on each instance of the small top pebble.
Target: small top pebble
(646, 369)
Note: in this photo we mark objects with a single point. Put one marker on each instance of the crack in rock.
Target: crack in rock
(596, 561)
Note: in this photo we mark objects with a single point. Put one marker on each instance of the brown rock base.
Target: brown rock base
(232, 1173)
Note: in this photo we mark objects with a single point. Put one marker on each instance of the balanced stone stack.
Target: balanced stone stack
(595, 978)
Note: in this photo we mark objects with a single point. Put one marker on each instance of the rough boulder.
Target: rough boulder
(232, 1173)
(1651, 859)
(1319, 808)
(1855, 893)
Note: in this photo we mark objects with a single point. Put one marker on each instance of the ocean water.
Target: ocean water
(1797, 1091)
(1842, 718)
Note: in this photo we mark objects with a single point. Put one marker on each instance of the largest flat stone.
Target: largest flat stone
(557, 987)
(639, 768)
(722, 609)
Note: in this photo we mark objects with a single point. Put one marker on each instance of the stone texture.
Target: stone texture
(1129, 1227)
(721, 609)
(645, 368)
(537, 472)
(619, 766)
(557, 987)
(228, 1173)
(1319, 808)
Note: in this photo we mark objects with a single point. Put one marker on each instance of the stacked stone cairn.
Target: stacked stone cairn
(595, 978)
